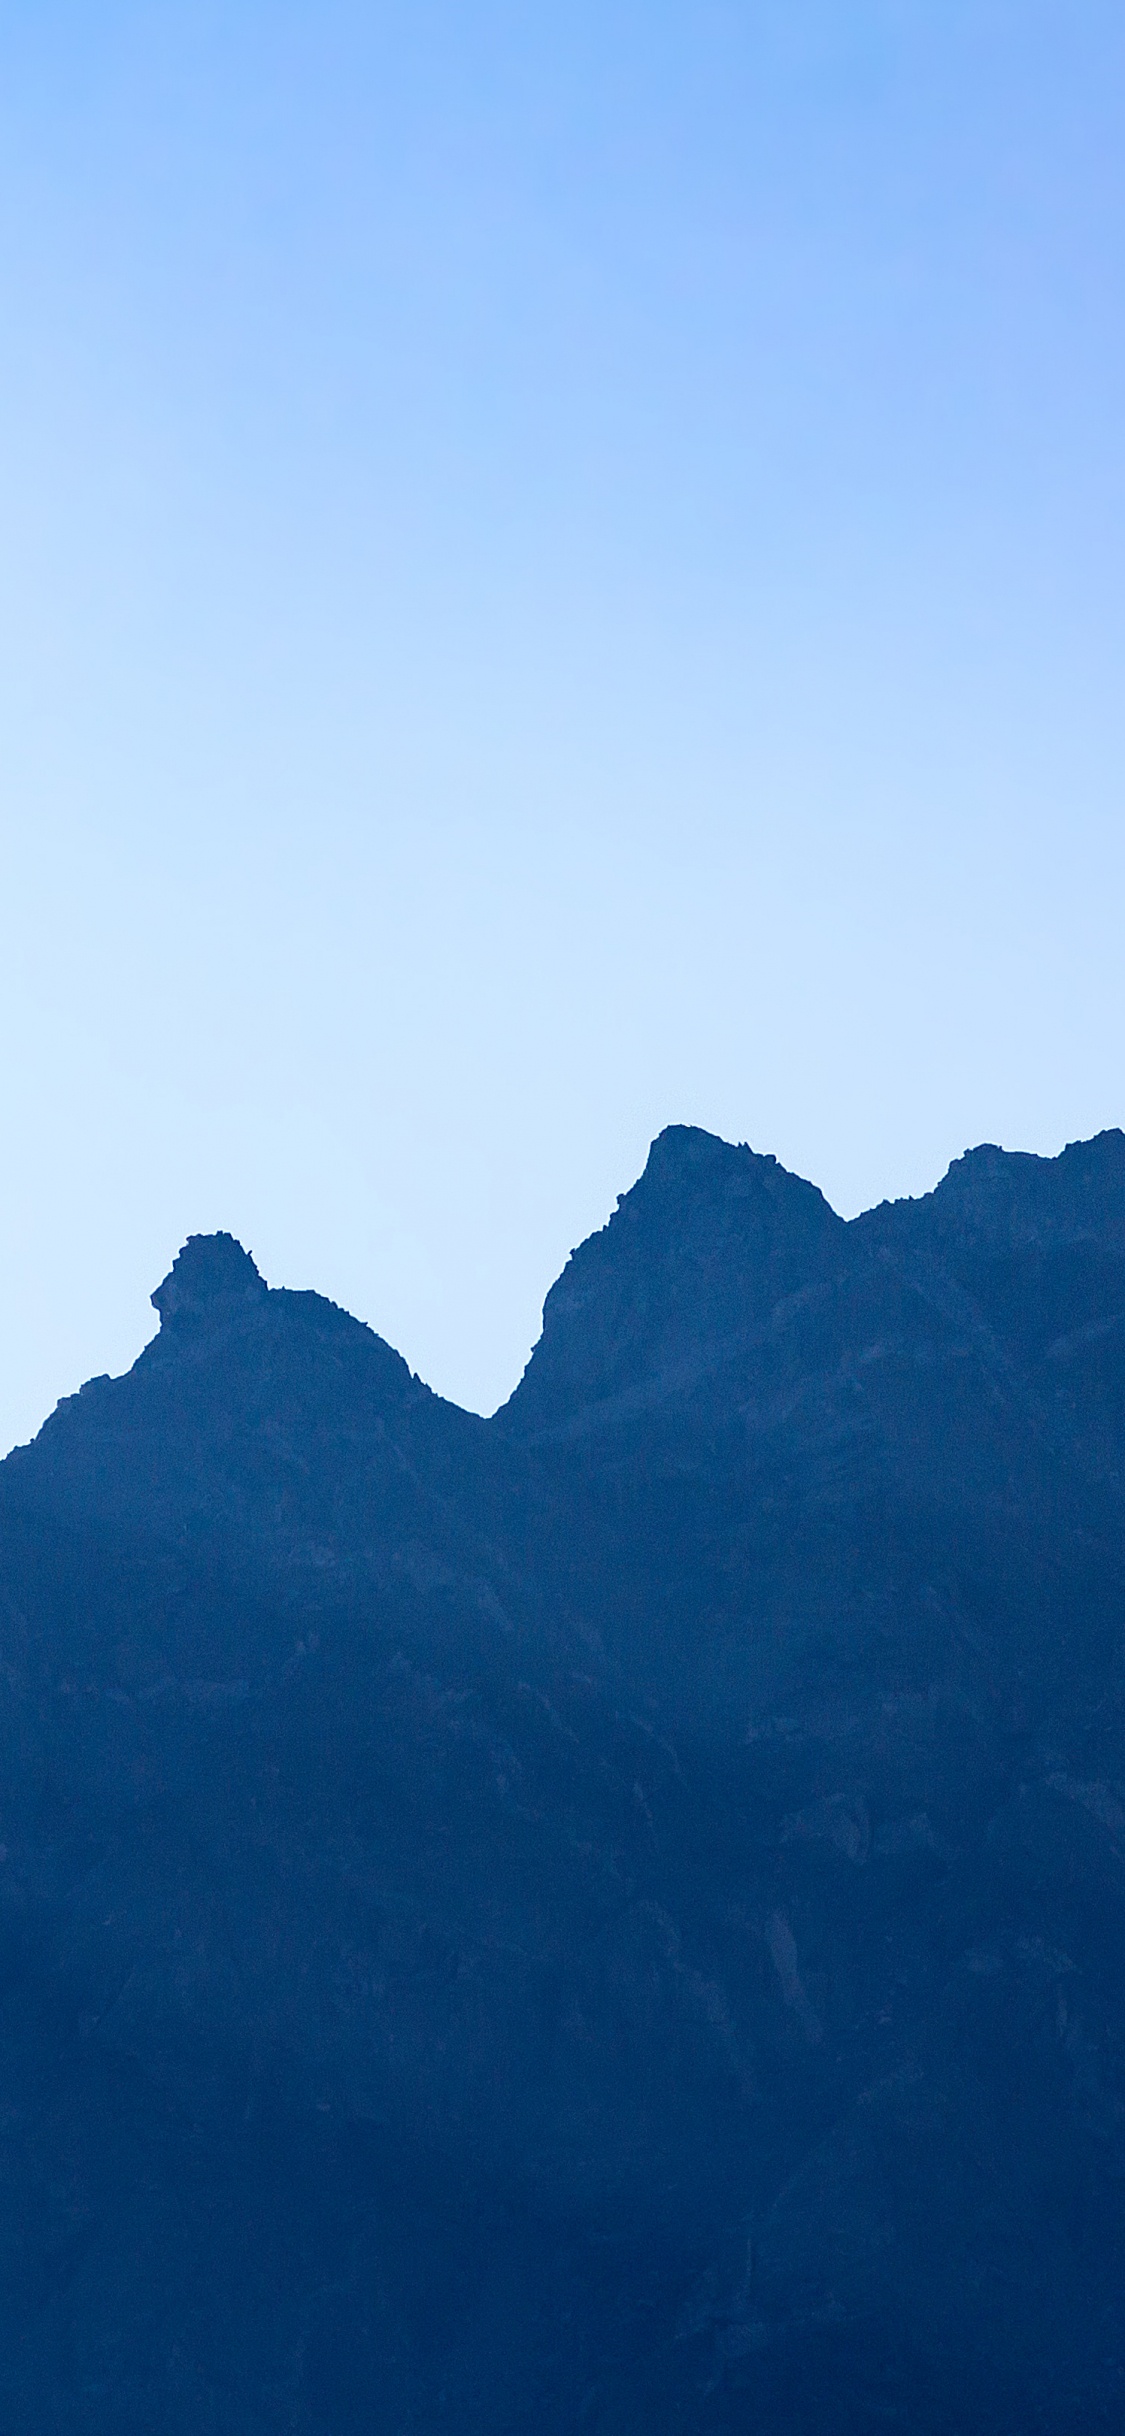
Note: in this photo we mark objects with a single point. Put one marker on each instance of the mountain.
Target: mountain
(603, 1919)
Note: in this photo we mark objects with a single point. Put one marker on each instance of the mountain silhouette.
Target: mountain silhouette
(604, 1919)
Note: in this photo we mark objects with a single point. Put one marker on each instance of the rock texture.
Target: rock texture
(607, 1919)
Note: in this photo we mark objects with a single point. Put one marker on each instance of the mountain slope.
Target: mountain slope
(607, 1918)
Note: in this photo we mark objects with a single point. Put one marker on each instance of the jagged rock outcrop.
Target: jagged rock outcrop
(696, 1258)
(607, 1918)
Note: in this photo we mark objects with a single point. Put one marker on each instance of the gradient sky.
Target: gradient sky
(561, 569)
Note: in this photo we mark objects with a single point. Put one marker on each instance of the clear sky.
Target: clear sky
(561, 569)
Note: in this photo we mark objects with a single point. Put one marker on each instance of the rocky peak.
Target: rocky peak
(1011, 1197)
(211, 1281)
(708, 1240)
(994, 1201)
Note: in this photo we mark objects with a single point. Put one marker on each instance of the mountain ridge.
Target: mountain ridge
(214, 1275)
(602, 1917)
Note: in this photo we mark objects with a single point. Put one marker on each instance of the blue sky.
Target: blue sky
(560, 570)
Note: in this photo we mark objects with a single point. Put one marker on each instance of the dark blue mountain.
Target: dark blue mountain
(606, 1919)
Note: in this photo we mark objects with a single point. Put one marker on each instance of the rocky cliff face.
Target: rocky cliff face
(693, 1262)
(607, 1918)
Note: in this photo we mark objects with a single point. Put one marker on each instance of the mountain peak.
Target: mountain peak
(678, 1149)
(995, 1200)
(209, 1281)
(711, 1236)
